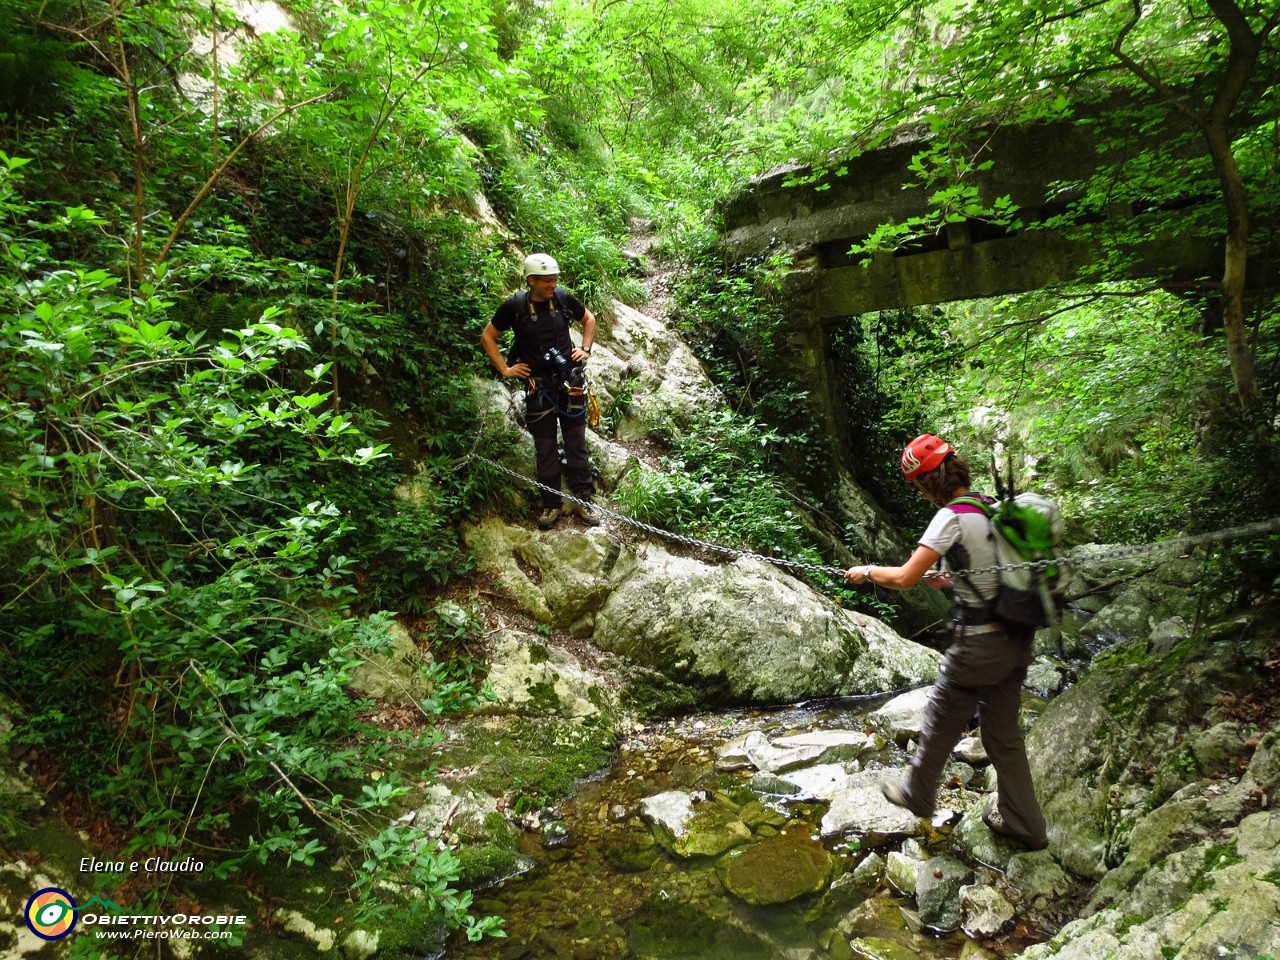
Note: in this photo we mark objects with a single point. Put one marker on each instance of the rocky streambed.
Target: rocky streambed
(763, 834)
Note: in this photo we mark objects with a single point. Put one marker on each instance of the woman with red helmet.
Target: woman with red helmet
(985, 665)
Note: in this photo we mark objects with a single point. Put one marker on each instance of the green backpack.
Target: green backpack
(1024, 527)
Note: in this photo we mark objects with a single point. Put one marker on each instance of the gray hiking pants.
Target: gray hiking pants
(982, 672)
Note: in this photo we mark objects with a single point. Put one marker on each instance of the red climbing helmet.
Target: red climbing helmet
(923, 454)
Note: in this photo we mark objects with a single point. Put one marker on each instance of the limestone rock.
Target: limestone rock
(1215, 748)
(529, 676)
(971, 750)
(767, 783)
(322, 938)
(360, 945)
(900, 871)
(1043, 679)
(776, 870)
(1036, 874)
(707, 831)
(938, 883)
(789, 753)
(902, 718)
(857, 805)
(985, 911)
(394, 676)
(557, 576)
(745, 632)
(975, 842)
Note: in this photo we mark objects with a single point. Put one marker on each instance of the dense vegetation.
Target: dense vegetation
(245, 266)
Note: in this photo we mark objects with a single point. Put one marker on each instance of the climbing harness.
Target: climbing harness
(1248, 531)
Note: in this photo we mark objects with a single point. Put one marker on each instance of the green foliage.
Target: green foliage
(720, 482)
(166, 523)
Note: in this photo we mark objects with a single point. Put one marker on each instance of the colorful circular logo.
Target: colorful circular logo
(51, 913)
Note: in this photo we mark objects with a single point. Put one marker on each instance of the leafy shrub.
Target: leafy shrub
(166, 523)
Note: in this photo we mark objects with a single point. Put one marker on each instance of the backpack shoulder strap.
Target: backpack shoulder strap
(972, 504)
(958, 556)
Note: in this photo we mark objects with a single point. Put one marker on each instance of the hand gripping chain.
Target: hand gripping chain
(1248, 531)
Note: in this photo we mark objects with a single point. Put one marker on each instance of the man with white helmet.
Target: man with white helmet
(545, 357)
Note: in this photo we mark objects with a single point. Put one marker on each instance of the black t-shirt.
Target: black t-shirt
(537, 333)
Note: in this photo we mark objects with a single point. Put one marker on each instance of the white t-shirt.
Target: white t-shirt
(972, 531)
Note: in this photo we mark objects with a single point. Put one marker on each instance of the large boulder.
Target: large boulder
(745, 632)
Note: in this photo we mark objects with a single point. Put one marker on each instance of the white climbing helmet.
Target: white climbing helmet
(540, 265)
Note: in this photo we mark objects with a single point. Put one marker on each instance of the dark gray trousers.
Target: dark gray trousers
(983, 672)
(542, 426)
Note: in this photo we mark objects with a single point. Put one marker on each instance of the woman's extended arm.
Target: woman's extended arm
(899, 578)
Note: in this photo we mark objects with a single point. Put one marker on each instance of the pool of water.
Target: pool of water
(602, 889)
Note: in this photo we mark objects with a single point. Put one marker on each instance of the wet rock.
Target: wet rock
(985, 911)
(971, 951)
(858, 805)
(669, 928)
(880, 948)
(938, 883)
(872, 917)
(1043, 679)
(868, 871)
(686, 832)
(972, 840)
(776, 870)
(902, 718)
(1035, 874)
(631, 853)
(776, 786)
(900, 871)
(755, 814)
(555, 834)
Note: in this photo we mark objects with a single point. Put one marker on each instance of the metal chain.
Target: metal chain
(1248, 531)
(667, 534)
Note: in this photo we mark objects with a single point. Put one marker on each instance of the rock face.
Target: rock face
(394, 676)
(744, 632)
(1150, 786)
(778, 869)
(740, 632)
(529, 676)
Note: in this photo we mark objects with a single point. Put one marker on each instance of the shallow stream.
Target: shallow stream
(602, 888)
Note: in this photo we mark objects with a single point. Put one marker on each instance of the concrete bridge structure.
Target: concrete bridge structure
(818, 221)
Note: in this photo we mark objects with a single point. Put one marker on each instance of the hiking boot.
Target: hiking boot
(995, 823)
(550, 516)
(896, 793)
(586, 512)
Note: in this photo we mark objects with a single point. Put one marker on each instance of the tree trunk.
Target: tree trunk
(1233, 270)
